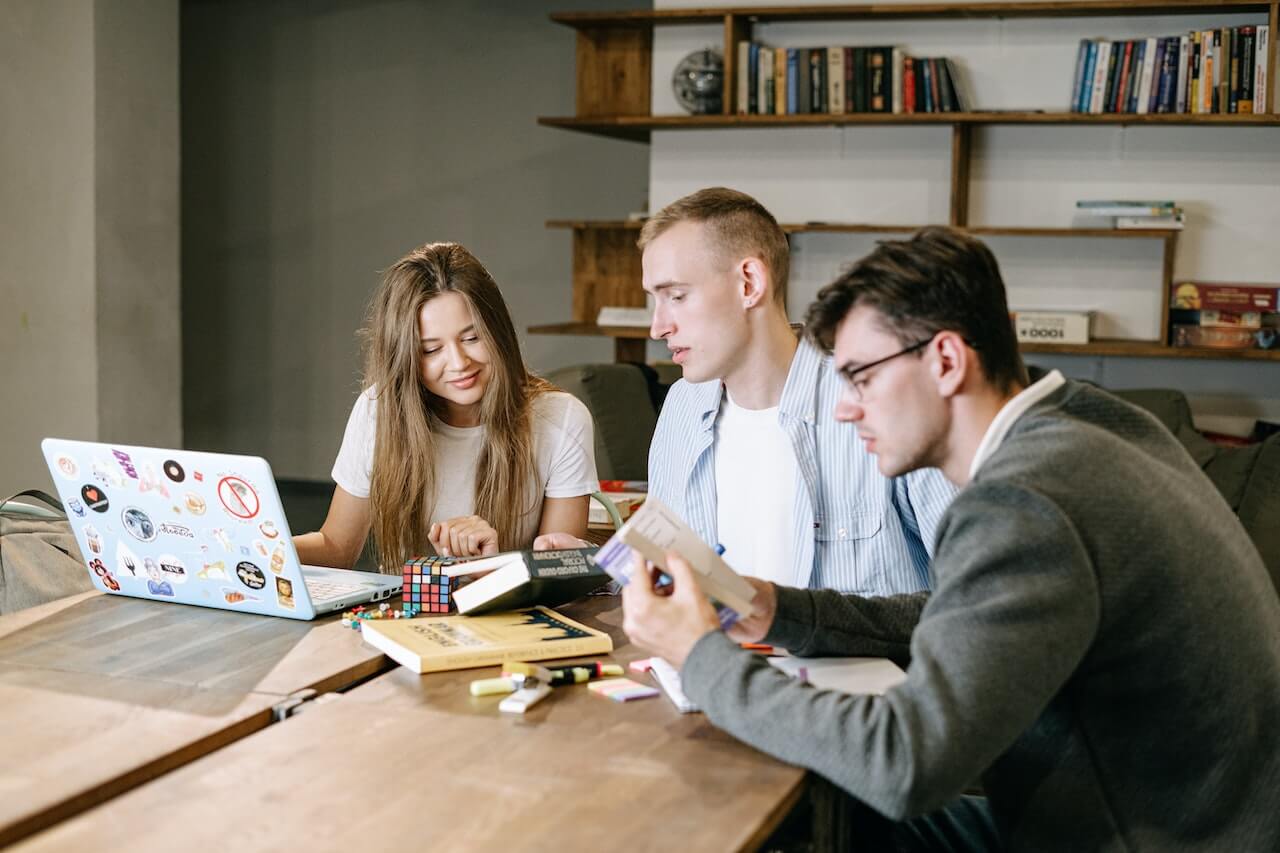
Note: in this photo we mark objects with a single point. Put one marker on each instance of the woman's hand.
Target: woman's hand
(465, 536)
(558, 542)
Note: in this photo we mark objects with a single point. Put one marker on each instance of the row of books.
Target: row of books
(1126, 214)
(1204, 71)
(837, 80)
(1225, 316)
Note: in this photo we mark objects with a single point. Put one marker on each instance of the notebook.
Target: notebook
(186, 527)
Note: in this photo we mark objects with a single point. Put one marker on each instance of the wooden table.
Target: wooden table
(414, 762)
(99, 693)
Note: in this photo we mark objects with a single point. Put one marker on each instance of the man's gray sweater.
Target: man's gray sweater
(1101, 649)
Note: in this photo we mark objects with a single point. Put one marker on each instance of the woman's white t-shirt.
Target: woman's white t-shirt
(563, 450)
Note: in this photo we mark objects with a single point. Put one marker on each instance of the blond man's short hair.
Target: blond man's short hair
(737, 226)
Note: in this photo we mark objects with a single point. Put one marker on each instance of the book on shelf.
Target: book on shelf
(1053, 327)
(1121, 207)
(1175, 222)
(524, 578)
(439, 643)
(618, 315)
(653, 530)
(1220, 319)
(1201, 72)
(1236, 298)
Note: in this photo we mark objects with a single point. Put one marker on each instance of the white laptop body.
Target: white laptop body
(194, 528)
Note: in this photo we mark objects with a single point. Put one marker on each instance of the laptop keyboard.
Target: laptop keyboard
(328, 590)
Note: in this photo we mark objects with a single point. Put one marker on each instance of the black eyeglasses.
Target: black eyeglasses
(857, 384)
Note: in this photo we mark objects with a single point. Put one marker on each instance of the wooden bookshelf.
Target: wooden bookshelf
(614, 56)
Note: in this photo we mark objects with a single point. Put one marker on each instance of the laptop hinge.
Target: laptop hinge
(296, 703)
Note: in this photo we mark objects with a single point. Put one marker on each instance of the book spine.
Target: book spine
(945, 86)
(1193, 87)
(1157, 71)
(860, 73)
(1082, 58)
(1125, 85)
(1184, 57)
(1215, 39)
(896, 99)
(743, 77)
(793, 81)
(804, 90)
(764, 80)
(908, 84)
(465, 659)
(835, 80)
(850, 79)
(1135, 86)
(817, 90)
(1233, 85)
(930, 86)
(1248, 39)
(1261, 85)
(1224, 76)
(1085, 93)
(878, 64)
(1114, 61)
(1100, 77)
(753, 78)
(780, 81)
(1168, 77)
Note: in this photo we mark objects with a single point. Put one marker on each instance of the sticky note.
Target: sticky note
(622, 689)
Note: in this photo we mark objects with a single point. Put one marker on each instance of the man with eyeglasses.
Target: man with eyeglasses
(1102, 646)
(746, 449)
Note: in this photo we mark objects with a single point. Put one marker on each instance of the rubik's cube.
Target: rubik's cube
(427, 589)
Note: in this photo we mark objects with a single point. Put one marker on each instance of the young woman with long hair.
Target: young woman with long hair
(454, 447)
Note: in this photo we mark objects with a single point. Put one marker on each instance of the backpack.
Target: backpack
(39, 558)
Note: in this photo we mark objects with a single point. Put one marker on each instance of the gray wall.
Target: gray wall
(88, 227)
(323, 140)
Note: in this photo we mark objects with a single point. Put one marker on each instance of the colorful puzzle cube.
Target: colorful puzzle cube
(427, 589)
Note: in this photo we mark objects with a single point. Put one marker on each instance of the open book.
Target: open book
(654, 529)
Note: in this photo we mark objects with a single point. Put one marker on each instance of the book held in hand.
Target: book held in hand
(438, 643)
(525, 578)
(655, 529)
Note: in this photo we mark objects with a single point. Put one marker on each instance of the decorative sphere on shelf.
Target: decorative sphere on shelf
(698, 82)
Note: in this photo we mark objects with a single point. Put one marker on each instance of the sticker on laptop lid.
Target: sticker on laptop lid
(250, 575)
(138, 524)
(77, 508)
(217, 570)
(269, 529)
(277, 558)
(125, 461)
(235, 596)
(284, 593)
(174, 471)
(194, 503)
(172, 568)
(127, 562)
(66, 466)
(95, 498)
(238, 498)
(149, 481)
(156, 582)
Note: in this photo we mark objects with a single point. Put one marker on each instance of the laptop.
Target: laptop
(194, 528)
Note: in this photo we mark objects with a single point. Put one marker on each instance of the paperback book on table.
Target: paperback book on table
(439, 643)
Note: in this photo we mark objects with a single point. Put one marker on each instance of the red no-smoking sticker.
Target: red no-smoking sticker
(238, 497)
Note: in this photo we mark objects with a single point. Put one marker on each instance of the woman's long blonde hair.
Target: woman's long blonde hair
(403, 488)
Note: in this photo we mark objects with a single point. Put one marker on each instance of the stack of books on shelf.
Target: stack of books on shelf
(1128, 214)
(837, 80)
(1204, 71)
(1225, 316)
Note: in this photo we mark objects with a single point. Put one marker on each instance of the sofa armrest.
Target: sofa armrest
(1260, 506)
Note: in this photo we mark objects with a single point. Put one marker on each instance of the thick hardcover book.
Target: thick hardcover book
(818, 80)
(743, 74)
(850, 80)
(835, 80)
(780, 80)
(526, 578)
(438, 643)
(793, 81)
(908, 84)
(946, 86)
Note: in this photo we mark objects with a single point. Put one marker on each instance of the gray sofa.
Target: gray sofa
(625, 399)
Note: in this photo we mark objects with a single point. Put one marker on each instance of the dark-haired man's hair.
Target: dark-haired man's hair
(941, 279)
